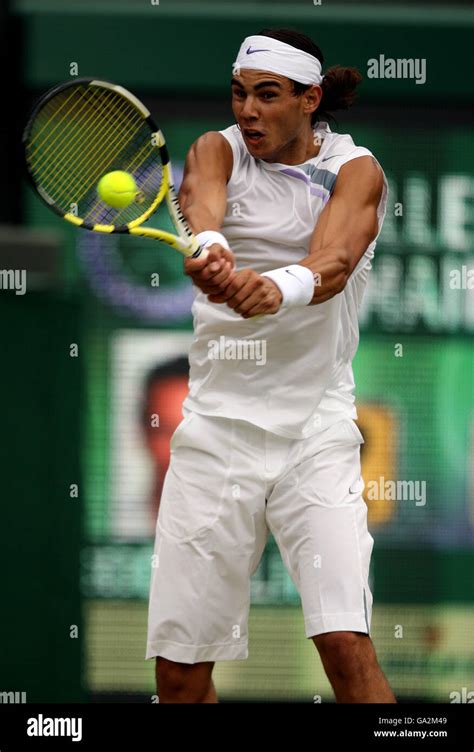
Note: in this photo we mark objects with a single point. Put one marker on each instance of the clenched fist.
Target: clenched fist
(249, 294)
(214, 272)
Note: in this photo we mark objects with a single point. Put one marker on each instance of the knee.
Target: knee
(345, 652)
(180, 682)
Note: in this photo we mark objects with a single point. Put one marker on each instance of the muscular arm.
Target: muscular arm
(346, 226)
(203, 192)
(203, 199)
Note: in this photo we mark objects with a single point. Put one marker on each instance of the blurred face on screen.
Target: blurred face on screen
(165, 398)
(274, 122)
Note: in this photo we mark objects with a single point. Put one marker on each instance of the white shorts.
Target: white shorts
(227, 485)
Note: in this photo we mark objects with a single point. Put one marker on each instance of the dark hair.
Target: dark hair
(170, 369)
(339, 83)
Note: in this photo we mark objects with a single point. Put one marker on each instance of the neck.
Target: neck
(297, 151)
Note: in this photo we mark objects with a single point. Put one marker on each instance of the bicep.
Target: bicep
(349, 220)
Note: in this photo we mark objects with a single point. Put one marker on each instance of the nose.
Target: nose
(249, 109)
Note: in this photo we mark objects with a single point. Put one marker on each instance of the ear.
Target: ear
(312, 98)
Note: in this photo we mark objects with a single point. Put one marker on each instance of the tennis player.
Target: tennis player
(290, 212)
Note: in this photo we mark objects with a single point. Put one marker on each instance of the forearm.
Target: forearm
(202, 215)
(315, 279)
(331, 270)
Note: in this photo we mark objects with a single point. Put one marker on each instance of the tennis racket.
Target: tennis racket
(80, 131)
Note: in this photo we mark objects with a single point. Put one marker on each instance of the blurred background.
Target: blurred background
(91, 348)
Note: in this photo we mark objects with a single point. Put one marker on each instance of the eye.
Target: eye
(268, 95)
(238, 93)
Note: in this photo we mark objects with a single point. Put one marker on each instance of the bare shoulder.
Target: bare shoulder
(212, 151)
(363, 174)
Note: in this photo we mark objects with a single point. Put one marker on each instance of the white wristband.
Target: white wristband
(208, 237)
(296, 283)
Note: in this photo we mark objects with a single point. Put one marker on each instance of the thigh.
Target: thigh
(318, 517)
(210, 531)
(196, 484)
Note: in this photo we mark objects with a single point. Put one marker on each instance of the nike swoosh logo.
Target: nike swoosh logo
(250, 51)
(333, 157)
(294, 275)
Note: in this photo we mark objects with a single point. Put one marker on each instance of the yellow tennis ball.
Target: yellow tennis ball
(117, 189)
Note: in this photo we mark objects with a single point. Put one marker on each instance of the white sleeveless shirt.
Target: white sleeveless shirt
(289, 373)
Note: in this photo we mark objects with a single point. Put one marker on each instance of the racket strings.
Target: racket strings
(68, 165)
(41, 127)
(54, 114)
(78, 137)
(86, 142)
(141, 177)
(53, 161)
(90, 168)
(142, 164)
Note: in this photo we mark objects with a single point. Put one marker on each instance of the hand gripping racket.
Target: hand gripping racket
(84, 129)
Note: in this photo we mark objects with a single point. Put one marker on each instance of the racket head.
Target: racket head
(83, 129)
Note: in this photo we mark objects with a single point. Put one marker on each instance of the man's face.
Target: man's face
(165, 399)
(272, 119)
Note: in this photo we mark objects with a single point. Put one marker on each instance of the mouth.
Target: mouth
(253, 136)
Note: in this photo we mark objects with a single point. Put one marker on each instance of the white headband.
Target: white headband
(268, 54)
